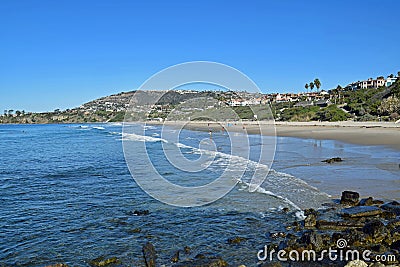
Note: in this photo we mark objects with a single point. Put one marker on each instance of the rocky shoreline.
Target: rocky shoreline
(350, 232)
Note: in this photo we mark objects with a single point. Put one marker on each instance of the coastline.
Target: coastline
(360, 133)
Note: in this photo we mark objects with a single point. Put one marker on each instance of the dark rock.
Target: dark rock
(141, 212)
(312, 238)
(393, 224)
(135, 230)
(395, 245)
(374, 228)
(271, 264)
(200, 256)
(277, 235)
(388, 215)
(380, 248)
(349, 198)
(310, 211)
(206, 262)
(310, 221)
(285, 210)
(186, 249)
(236, 240)
(101, 261)
(332, 160)
(175, 258)
(338, 225)
(361, 211)
(366, 201)
(393, 206)
(377, 202)
(149, 254)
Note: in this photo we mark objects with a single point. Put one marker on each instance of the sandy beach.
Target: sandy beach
(362, 133)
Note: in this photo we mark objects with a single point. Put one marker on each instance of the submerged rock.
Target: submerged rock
(141, 212)
(187, 249)
(310, 221)
(175, 258)
(356, 263)
(236, 240)
(332, 160)
(314, 239)
(338, 225)
(277, 235)
(361, 211)
(366, 201)
(393, 206)
(149, 255)
(374, 228)
(101, 262)
(349, 198)
(204, 262)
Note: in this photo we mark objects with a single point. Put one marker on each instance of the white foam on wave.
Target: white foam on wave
(269, 193)
(142, 138)
(98, 128)
(288, 188)
(283, 186)
(148, 127)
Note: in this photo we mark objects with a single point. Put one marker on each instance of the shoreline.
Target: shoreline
(360, 133)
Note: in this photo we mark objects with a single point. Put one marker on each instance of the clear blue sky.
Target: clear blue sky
(60, 54)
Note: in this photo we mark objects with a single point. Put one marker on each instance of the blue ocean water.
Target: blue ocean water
(67, 195)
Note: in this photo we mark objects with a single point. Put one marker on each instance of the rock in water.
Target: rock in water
(374, 228)
(350, 198)
(101, 262)
(149, 254)
(175, 258)
(314, 239)
(235, 240)
(361, 211)
(332, 160)
(356, 263)
(366, 201)
(310, 221)
(141, 212)
(206, 262)
(393, 206)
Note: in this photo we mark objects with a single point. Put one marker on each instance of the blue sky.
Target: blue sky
(60, 54)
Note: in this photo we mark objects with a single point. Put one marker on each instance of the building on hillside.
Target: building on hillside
(323, 103)
(371, 83)
(390, 81)
(379, 82)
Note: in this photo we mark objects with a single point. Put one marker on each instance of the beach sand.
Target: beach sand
(362, 133)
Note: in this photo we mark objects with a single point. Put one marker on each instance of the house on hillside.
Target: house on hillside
(390, 81)
(323, 103)
(304, 104)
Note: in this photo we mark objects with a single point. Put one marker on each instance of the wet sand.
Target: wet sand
(362, 133)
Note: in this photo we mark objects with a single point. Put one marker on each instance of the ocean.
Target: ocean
(67, 194)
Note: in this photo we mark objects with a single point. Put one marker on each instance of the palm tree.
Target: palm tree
(317, 83)
(311, 86)
(306, 86)
(337, 93)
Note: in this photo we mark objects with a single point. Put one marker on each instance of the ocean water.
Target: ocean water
(67, 195)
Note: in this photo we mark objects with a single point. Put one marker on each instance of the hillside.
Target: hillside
(340, 104)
